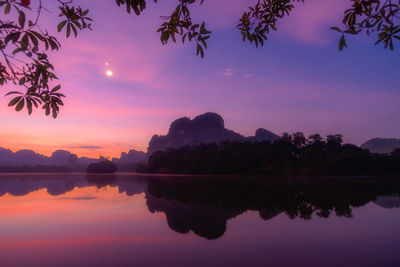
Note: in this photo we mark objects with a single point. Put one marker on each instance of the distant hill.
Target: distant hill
(206, 128)
(27, 158)
(129, 161)
(381, 145)
(31, 158)
(132, 156)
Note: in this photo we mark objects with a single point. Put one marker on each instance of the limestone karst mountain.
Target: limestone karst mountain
(381, 145)
(205, 128)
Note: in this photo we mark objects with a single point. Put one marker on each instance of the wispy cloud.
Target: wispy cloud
(310, 21)
(229, 72)
(79, 198)
(88, 147)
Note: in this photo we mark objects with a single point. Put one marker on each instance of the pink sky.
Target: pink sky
(298, 81)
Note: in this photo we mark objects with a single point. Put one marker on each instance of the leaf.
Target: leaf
(39, 36)
(68, 29)
(74, 30)
(20, 105)
(14, 101)
(7, 9)
(29, 106)
(55, 89)
(61, 25)
(24, 42)
(47, 109)
(21, 19)
(13, 92)
(34, 102)
(34, 39)
(336, 29)
(12, 36)
(22, 81)
(342, 43)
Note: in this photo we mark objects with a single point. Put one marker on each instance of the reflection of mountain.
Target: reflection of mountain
(203, 205)
(381, 145)
(205, 221)
(55, 184)
(205, 128)
(268, 214)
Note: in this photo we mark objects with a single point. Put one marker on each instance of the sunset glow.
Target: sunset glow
(122, 85)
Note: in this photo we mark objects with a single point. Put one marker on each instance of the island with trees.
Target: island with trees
(290, 155)
(103, 166)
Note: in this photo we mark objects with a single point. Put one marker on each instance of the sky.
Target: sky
(298, 81)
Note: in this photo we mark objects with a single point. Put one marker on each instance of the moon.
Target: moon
(109, 73)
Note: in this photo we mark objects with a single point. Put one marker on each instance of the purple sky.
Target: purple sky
(297, 81)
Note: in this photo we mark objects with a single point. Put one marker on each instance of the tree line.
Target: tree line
(290, 155)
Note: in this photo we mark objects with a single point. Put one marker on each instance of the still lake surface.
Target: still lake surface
(135, 220)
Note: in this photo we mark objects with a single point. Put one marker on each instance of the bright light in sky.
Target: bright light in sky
(109, 73)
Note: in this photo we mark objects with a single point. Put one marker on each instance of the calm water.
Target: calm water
(127, 220)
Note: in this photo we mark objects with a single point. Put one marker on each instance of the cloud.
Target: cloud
(86, 147)
(310, 21)
(229, 72)
(248, 75)
(79, 198)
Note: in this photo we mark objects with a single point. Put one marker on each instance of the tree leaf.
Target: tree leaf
(21, 19)
(55, 89)
(14, 101)
(336, 29)
(20, 105)
(342, 43)
(29, 106)
(7, 9)
(68, 29)
(13, 92)
(61, 25)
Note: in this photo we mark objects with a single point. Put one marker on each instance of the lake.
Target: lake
(137, 220)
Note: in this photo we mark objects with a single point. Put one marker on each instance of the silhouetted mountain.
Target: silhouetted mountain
(129, 161)
(381, 145)
(388, 202)
(59, 161)
(206, 128)
(262, 135)
(6, 156)
(31, 158)
(62, 157)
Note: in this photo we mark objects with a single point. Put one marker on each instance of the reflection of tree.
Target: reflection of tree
(101, 180)
(204, 204)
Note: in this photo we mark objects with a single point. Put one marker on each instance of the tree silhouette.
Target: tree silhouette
(290, 155)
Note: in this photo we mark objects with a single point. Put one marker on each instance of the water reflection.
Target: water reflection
(203, 205)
